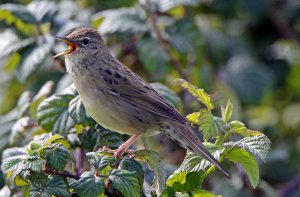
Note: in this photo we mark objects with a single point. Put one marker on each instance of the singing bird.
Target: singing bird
(120, 100)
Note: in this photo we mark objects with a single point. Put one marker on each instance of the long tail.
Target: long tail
(187, 138)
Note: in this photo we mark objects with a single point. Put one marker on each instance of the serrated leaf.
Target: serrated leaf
(133, 166)
(12, 164)
(89, 185)
(54, 186)
(125, 182)
(259, 146)
(211, 126)
(121, 20)
(196, 163)
(248, 163)
(101, 162)
(34, 163)
(198, 93)
(240, 128)
(20, 179)
(152, 159)
(227, 112)
(185, 181)
(194, 117)
(57, 157)
(53, 114)
(77, 111)
(33, 57)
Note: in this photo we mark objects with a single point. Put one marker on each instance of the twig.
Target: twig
(62, 174)
(165, 45)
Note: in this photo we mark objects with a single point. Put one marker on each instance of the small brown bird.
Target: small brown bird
(119, 99)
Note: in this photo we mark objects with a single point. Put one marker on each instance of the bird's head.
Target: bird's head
(82, 43)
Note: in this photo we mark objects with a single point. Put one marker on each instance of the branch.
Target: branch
(62, 174)
(165, 45)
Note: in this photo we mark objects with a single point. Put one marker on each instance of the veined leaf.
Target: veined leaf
(54, 186)
(133, 166)
(259, 145)
(121, 20)
(152, 159)
(53, 114)
(194, 117)
(212, 126)
(196, 163)
(35, 163)
(77, 111)
(198, 93)
(55, 140)
(101, 162)
(57, 157)
(248, 162)
(89, 185)
(12, 164)
(240, 128)
(227, 112)
(125, 182)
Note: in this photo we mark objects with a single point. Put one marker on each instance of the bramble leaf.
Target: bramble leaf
(53, 186)
(57, 157)
(133, 166)
(89, 185)
(227, 112)
(77, 111)
(247, 161)
(240, 128)
(194, 117)
(125, 182)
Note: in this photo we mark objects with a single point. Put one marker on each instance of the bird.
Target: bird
(120, 100)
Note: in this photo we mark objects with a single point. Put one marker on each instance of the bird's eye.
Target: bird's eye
(85, 41)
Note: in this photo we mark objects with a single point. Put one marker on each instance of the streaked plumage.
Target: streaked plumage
(120, 100)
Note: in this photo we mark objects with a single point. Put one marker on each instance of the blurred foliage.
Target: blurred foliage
(246, 51)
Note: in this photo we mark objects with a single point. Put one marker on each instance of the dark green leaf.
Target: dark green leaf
(89, 185)
(101, 162)
(133, 166)
(57, 157)
(125, 182)
(152, 159)
(248, 162)
(77, 111)
(54, 186)
(53, 114)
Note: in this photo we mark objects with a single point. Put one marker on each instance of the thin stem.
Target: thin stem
(165, 45)
(62, 174)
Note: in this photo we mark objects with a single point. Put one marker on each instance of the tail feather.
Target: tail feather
(188, 139)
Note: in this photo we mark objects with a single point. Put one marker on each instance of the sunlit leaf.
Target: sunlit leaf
(248, 163)
(240, 128)
(227, 112)
(259, 145)
(194, 117)
(185, 181)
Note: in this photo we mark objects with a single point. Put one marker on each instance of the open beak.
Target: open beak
(71, 46)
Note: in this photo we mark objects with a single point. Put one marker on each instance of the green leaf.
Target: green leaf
(12, 164)
(240, 128)
(211, 126)
(196, 163)
(34, 163)
(185, 181)
(227, 112)
(89, 185)
(13, 159)
(53, 114)
(101, 162)
(259, 146)
(20, 179)
(77, 111)
(18, 11)
(194, 117)
(6, 123)
(121, 20)
(43, 11)
(198, 93)
(133, 166)
(125, 182)
(11, 43)
(33, 57)
(152, 159)
(57, 157)
(55, 140)
(54, 186)
(248, 163)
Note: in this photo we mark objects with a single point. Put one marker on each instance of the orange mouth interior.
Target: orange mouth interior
(70, 49)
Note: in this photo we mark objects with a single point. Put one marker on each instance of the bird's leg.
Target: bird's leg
(120, 151)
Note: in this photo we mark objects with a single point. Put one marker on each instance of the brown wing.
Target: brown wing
(139, 93)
